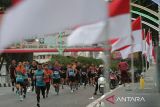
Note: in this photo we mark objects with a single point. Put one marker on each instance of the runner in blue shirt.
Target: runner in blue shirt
(40, 83)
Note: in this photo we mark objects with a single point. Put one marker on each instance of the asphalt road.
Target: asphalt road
(64, 99)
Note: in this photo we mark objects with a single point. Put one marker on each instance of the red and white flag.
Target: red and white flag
(118, 25)
(144, 42)
(127, 41)
(148, 46)
(46, 17)
(128, 50)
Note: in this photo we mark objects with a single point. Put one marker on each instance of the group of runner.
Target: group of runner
(39, 77)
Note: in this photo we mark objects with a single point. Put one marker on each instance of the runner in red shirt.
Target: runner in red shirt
(47, 75)
(123, 67)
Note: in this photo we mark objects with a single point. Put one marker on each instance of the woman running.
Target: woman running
(20, 74)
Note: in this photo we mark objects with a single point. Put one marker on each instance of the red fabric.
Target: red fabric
(143, 34)
(124, 47)
(47, 74)
(112, 41)
(15, 2)
(148, 38)
(154, 54)
(136, 24)
(119, 7)
(123, 66)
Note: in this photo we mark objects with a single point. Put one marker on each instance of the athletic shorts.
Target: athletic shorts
(13, 79)
(92, 75)
(77, 77)
(71, 78)
(56, 81)
(20, 83)
(63, 75)
(26, 82)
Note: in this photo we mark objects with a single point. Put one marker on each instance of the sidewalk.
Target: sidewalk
(122, 97)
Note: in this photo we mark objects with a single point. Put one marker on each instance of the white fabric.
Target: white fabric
(88, 34)
(144, 47)
(121, 43)
(125, 52)
(119, 26)
(137, 35)
(42, 17)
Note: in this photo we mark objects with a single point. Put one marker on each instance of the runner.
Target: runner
(71, 77)
(78, 75)
(63, 75)
(56, 80)
(28, 77)
(33, 68)
(56, 76)
(84, 75)
(12, 71)
(48, 75)
(40, 83)
(20, 72)
(26, 82)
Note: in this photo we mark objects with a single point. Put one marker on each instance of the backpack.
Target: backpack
(56, 75)
(71, 72)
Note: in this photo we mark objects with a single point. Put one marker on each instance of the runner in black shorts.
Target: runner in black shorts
(12, 71)
(63, 75)
(71, 77)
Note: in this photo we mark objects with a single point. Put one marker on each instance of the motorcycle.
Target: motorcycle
(101, 84)
(113, 80)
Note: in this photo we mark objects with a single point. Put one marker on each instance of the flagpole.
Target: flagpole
(146, 55)
(142, 46)
(132, 57)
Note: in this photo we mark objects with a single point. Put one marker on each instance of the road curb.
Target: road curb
(102, 97)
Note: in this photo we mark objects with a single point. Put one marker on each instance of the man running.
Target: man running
(40, 83)
(33, 68)
(63, 75)
(56, 78)
(78, 75)
(84, 75)
(12, 71)
(71, 77)
(48, 75)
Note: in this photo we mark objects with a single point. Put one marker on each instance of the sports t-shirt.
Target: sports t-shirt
(56, 75)
(19, 76)
(71, 73)
(39, 75)
(48, 74)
